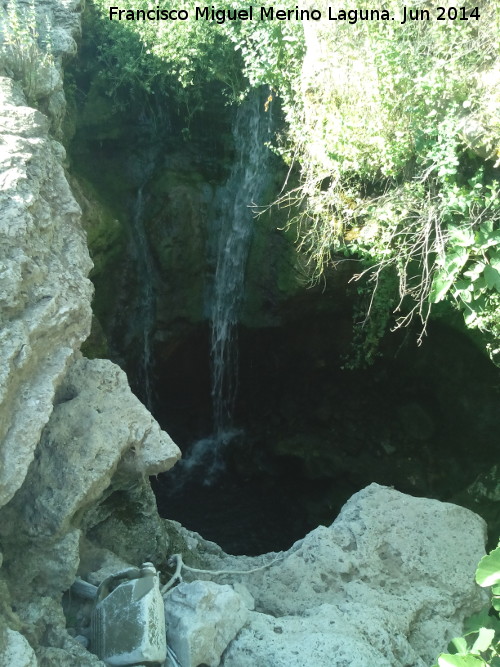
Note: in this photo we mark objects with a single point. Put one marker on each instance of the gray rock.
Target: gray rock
(44, 293)
(99, 438)
(97, 564)
(98, 431)
(51, 656)
(71, 432)
(34, 57)
(202, 618)
(388, 583)
(17, 652)
(127, 523)
(324, 637)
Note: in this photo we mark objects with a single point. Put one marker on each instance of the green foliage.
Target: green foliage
(468, 268)
(395, 129)
(398, 128)
(148, 55)
(26, 47)
(480, 644)
(369, 331)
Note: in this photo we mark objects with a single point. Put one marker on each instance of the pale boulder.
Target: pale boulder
(202, 618)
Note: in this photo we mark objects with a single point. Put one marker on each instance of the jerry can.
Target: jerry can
(128, 619)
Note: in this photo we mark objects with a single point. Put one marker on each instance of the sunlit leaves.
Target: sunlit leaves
(488, 570)
(480, 644)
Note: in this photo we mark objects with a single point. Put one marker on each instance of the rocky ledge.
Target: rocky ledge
(388, 583)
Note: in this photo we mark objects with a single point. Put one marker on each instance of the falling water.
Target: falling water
(230, 235)
(231, 232)
(145, 312)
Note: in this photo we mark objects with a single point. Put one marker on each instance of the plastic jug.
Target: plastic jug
(128, 620)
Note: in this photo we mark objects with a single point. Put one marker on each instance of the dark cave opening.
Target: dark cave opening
(311, 434)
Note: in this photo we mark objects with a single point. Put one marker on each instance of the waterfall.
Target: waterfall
(145, 311)
(231, 234)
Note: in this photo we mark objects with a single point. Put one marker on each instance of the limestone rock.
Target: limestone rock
(17, 652)
(44, 293)
(44, 627)
(44, 567)
(71, 432)
(127, 523)
(96, 563)
(99, 438)
(202, 618)
(389, 583)
(324, 637)
(98, 430)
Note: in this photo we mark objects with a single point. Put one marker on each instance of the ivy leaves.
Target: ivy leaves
(480, 644)
(468, 269)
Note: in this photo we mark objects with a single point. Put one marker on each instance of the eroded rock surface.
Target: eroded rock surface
(99, 439)
(44, 293)
(98, 430)
(17, 651)
(71, 432)
(389, 583)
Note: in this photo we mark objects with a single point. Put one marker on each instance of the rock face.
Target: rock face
(99, 441)
(45, 295)
(72, 435)
(44, 292)
(94, 409)
(389, 583)
(17, 651)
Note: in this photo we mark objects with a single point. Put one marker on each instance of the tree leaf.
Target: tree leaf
(483, 642)
(482, 620)
(447, 660)
(477, 621)
(475, 270)
(440, 286)
(492, 277)
(495, 260)
(464, 236)
(455, 260)
(488, 238)
(444, 279)
(458, 645)
(488, 570)
(471, 315)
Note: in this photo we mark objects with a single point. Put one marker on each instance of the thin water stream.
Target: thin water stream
(231, 233)
(145, 312)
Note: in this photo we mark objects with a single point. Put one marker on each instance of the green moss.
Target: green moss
(106, 240)
(99, 113)
(105, 231)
